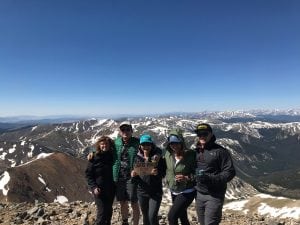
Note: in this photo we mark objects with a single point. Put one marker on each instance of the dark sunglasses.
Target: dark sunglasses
(124, 129)
(202, 133)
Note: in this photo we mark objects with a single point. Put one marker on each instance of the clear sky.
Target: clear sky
(148, 56)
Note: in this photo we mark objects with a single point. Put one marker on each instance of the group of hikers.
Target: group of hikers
(201, 174)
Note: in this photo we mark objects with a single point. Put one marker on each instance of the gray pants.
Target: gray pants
(150, 207)
(209, 209)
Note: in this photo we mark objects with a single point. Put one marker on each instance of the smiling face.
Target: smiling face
(104, 145)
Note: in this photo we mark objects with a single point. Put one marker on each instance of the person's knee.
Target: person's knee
(213, 216)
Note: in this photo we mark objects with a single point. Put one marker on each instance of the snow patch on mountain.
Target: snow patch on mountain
(283, 212)
(76, 126)
(2, 156)
(99, 123)
(40, 178)
(4, 179)
(61, 199)
(267, 205)
(12, 150)
(29, 154)
(236, 206)
(12, 162)
(43, 155)
(40, 156)
(160, 130)
(114, 135)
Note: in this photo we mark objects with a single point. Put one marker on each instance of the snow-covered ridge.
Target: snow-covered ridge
(252, 128)
(267, 205)
(40, 156)
(77, 136)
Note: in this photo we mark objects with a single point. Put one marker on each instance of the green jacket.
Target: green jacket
(133, 146)
(186, 166)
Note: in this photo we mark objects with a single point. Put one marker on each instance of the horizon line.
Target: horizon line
(57, 116)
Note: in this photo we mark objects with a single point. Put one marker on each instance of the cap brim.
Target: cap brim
(125, 125)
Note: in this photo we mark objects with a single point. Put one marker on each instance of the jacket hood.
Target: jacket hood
(178, 133)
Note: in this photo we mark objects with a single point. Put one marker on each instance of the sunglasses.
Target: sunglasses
(202, 133)
(125, 129)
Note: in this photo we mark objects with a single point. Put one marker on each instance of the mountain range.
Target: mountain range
(264, 145)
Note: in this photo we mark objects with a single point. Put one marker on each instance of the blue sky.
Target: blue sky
(147, 56)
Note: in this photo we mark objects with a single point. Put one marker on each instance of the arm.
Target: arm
(156, 154)
(91, 153)
(162, 167)
(89, 174)
(134, 176)
(227, 169)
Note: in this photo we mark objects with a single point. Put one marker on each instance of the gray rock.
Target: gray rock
(40, 212)
(33, 210)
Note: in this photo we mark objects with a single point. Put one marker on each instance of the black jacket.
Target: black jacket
(218, 166)
(99, 172)
(150, 185)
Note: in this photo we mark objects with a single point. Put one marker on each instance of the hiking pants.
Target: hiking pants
(209, 209)
(149, 207)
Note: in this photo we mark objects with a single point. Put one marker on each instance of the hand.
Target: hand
(90, 156)
(180, 177)
(133, 173)
(154, 172)
(97, 191)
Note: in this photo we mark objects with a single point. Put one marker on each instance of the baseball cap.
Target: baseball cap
(145, 138)
(125, 123)
(174, 139)
(203, 127)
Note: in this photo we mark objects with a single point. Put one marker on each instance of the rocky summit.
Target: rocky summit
(83, 213)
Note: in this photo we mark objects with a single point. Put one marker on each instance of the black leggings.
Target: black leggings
(179, 208)
(104, 204)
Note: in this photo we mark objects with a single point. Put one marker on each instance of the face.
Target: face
(146, 147)
(176, 146)
(204, 137)
(104, 146)
(125, 132)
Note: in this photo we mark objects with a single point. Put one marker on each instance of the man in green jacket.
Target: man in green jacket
(126, 148)
(125, 151)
